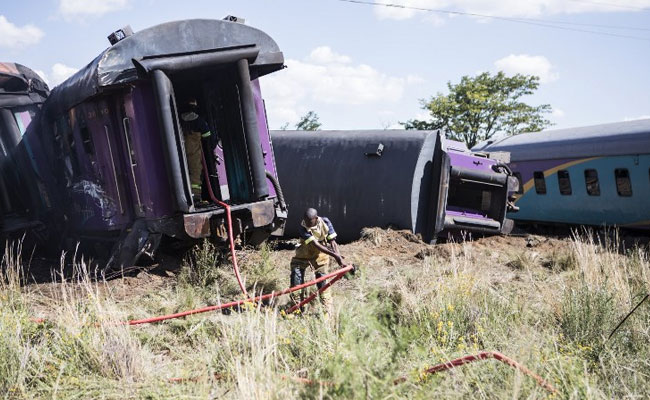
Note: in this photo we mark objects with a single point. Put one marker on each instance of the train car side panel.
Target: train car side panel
(603, 206)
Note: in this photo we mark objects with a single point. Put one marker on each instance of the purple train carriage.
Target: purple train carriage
(414, 180)
(22, 93)
(110, 150)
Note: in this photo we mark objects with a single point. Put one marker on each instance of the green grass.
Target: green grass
(398, 316)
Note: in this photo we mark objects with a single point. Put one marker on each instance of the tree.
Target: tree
(309, 122)
(479, 107)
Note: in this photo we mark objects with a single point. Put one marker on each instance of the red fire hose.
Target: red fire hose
(484, 355)
(338, 273)
(313, 295)
(231, 240)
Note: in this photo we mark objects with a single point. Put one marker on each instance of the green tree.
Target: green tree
(480, 106)
(309, 122)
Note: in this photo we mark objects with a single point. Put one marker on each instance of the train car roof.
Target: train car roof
(20, 86)
(620, 138)
(366, 134)
(115, 66)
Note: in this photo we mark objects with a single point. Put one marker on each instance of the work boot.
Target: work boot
(327, 302)
(295, 298)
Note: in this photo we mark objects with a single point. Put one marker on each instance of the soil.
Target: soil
(377, 250)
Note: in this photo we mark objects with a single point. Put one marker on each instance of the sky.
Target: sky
(363, 65)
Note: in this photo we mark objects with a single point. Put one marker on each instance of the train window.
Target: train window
(540, 182)
(623, 183)
(86, 138)
(564, 181)
(520, 190)
(591, 181)
(87, 141)
(64, 138)
(24, 118)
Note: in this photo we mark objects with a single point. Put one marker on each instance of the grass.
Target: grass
(407, 309)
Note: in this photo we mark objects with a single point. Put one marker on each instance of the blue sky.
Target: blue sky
(361, 66)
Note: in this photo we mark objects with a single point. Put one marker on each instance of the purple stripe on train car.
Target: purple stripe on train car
(526, 168)
(469, 161)
(265, 137)
(451, 210)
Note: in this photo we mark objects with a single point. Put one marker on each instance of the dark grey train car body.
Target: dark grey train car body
(389, 178)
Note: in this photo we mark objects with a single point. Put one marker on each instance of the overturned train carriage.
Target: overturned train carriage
(22, 93)
(413, 180)
(111, 149)
(591, 175)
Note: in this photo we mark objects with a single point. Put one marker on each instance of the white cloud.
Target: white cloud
(59, 73)
(42, 74)
(78, 9)
(328, 79)
(528, 65)
(414, 79)
(557, 113)
(12, 36)
(502, 8)
(325, 55)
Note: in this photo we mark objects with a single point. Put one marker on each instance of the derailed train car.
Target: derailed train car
(413, 180)
(592, 175)
(22, 93)
(109, 152)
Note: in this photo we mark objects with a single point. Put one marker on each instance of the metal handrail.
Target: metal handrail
(128, 147)
(117, 186)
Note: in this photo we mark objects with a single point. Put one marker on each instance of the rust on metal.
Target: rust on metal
(197, 226)
(262, 213)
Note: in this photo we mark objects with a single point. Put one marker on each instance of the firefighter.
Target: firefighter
(317, 245)
(195, 129)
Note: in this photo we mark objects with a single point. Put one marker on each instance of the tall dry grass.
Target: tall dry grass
(551, 311)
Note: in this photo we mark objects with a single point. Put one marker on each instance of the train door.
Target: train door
(103, 197)
(145, 170)
(224, 111)
(124, 129)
